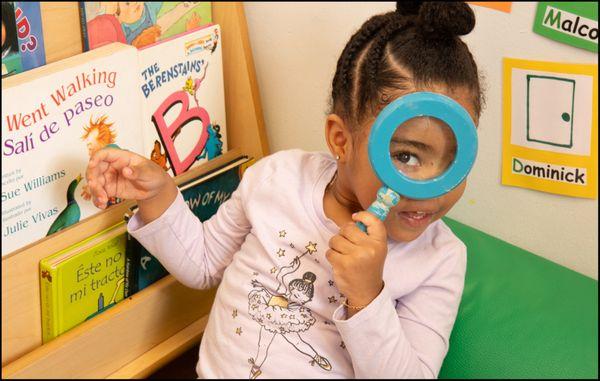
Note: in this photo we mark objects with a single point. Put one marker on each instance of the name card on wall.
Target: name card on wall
(550, 139)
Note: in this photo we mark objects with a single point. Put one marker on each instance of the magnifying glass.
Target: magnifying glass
(421, 146)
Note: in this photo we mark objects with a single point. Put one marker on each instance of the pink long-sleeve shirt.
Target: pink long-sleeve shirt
(277, 312)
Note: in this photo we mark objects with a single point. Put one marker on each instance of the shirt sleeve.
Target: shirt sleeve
(408, 337)
(195, 253)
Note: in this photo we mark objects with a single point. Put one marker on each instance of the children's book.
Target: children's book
(29, 34)
(53, 119)
(203, 195)
(165, 102)
(139, 23)
(11, 58)
(181, 85)
(82, 281)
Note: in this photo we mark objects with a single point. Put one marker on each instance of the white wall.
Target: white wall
(296, 46)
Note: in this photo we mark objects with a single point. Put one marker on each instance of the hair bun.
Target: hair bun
(309, 277)
(408, 8)
(446, 19)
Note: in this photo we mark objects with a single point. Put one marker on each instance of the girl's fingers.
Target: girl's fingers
(139, 172)
(333, 256)
(96, 181)
(99, 195)
(352, 233)
(375, 227)
(111, 183)
(129, 173)
(111, 155)
(341, 245)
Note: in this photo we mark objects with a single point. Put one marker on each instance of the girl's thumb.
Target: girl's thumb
(132, 173)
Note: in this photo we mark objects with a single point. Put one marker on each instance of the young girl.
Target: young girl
(376, 305)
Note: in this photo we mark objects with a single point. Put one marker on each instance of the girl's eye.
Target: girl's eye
(407, 158)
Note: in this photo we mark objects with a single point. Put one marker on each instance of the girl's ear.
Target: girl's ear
(338, 137)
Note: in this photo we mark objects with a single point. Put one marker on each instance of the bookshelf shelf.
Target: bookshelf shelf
(154, 326)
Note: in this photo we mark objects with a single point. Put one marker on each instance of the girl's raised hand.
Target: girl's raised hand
(357, 259)
(113, 172)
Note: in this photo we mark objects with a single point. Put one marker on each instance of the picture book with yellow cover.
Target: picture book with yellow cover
(82, 281)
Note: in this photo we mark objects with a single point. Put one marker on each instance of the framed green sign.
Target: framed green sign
(574, 23)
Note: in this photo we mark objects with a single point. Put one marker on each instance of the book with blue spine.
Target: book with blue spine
(30, 34)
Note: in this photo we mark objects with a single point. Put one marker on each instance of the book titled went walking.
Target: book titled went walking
(54, 118)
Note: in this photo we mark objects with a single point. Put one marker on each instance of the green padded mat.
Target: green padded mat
(521, 316)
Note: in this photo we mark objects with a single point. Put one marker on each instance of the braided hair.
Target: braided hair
(411, 48)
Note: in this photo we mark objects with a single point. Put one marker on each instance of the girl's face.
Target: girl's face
(407, 220)
(298, 296)
(130, 11)
(93, 143)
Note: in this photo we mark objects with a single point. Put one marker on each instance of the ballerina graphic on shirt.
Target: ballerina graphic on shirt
(283, 313)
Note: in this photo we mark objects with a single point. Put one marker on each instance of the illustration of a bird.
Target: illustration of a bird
(71, 213)
(189, 86)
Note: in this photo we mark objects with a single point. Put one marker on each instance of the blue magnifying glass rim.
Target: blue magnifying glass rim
(411, 106)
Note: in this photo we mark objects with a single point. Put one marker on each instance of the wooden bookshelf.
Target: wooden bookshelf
(154, 326)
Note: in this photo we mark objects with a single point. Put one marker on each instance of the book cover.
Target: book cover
(203, 196)
(53, 119)
(11, 58)
(183, 100)
(140, 23)
(82, 281)
(29, 33)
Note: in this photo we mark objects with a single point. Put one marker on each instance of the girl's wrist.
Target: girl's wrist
(357, 303)
(153, 207)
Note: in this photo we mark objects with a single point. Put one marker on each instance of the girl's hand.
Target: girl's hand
(85, 193)
(358, 259)
(148, 36)
(119, 173)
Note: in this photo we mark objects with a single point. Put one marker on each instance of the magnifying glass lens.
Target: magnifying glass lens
(423, 148)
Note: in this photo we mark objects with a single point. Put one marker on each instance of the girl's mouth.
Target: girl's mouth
(416, 219)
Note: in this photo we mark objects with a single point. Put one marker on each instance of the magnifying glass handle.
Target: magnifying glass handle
(386, 199)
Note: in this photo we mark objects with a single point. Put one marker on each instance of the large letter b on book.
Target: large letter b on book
(168, 133)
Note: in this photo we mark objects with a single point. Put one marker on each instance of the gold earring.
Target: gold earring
(337, 157)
